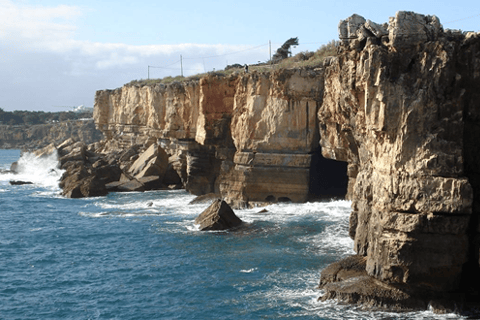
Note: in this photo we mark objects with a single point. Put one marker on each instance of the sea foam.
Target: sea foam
(41, 171)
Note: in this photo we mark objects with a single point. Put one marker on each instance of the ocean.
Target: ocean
(140, 256)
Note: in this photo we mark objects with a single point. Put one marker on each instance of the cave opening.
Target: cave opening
(270, 198)
(284, 199)
(328, 178)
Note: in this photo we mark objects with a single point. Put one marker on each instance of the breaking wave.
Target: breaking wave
(41, 171)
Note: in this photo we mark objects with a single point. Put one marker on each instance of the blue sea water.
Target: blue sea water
(140, 256)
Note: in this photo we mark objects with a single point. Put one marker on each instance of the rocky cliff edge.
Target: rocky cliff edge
(401, 105)
(248, 137)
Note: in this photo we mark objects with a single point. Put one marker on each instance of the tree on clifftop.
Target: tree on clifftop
(284, 51)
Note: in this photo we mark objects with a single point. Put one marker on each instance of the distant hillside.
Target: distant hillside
(41, 117)
(31, 137)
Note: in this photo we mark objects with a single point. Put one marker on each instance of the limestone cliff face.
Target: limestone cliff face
(400, 103)
(40, 135)
(249, 137)
(155, 111)
(274, 130)
(401, 106)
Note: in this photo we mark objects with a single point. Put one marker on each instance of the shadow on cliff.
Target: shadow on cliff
(328, 178)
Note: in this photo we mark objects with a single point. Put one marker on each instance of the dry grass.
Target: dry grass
(300, 60)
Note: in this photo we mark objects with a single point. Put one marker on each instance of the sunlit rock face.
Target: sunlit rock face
(401, 105)
(248, 137)
(397, 108)
(274, 130)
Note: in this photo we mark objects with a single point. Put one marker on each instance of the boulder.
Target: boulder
(86, 187)
(125, 186)
(379, 30)
(108, 173)
(409, 28)
(80, 181)
(75, 154)
(152, 162)
(218, 216)
(347, 29)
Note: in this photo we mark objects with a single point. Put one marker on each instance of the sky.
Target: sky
(56, 54)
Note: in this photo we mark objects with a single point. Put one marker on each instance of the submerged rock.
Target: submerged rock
(219, 216)
(19, 182)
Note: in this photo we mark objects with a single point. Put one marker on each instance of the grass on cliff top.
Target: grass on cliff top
(300, 60)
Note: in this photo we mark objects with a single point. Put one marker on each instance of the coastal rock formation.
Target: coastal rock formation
(38, 136)
(90, 173)
(274, 131)
(218, 216)
(250, 138)
(401, 107)
(396, 111)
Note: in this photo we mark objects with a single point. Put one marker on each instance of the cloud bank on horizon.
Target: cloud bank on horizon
(57, 54)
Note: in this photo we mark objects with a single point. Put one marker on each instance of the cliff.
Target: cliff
(249, 137)
(397, 108)
(401, 106)
(30, 137)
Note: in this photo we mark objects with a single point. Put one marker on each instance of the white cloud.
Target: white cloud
(51, 29)
(115, 60)
(35, 27)
(40, 55)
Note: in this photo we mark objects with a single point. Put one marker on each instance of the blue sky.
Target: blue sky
(58, 53)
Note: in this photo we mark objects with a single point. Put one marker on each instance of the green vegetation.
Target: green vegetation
(306, 59)
(284, 51)
(39, 117)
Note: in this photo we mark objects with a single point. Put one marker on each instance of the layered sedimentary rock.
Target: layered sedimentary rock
(274, 131)
(401, 105)
(248, 137)
(40, 135)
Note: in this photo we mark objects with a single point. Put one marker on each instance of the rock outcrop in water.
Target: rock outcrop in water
(402, 106)
(218, 216)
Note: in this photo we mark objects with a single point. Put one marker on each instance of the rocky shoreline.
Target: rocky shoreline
(398, 108)
(401, 106)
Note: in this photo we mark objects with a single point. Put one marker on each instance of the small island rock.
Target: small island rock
(218, 216)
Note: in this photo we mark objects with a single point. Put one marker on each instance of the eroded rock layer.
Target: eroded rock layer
(247, 137)
(401, 106)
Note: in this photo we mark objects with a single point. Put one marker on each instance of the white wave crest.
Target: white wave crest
(43, 171)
